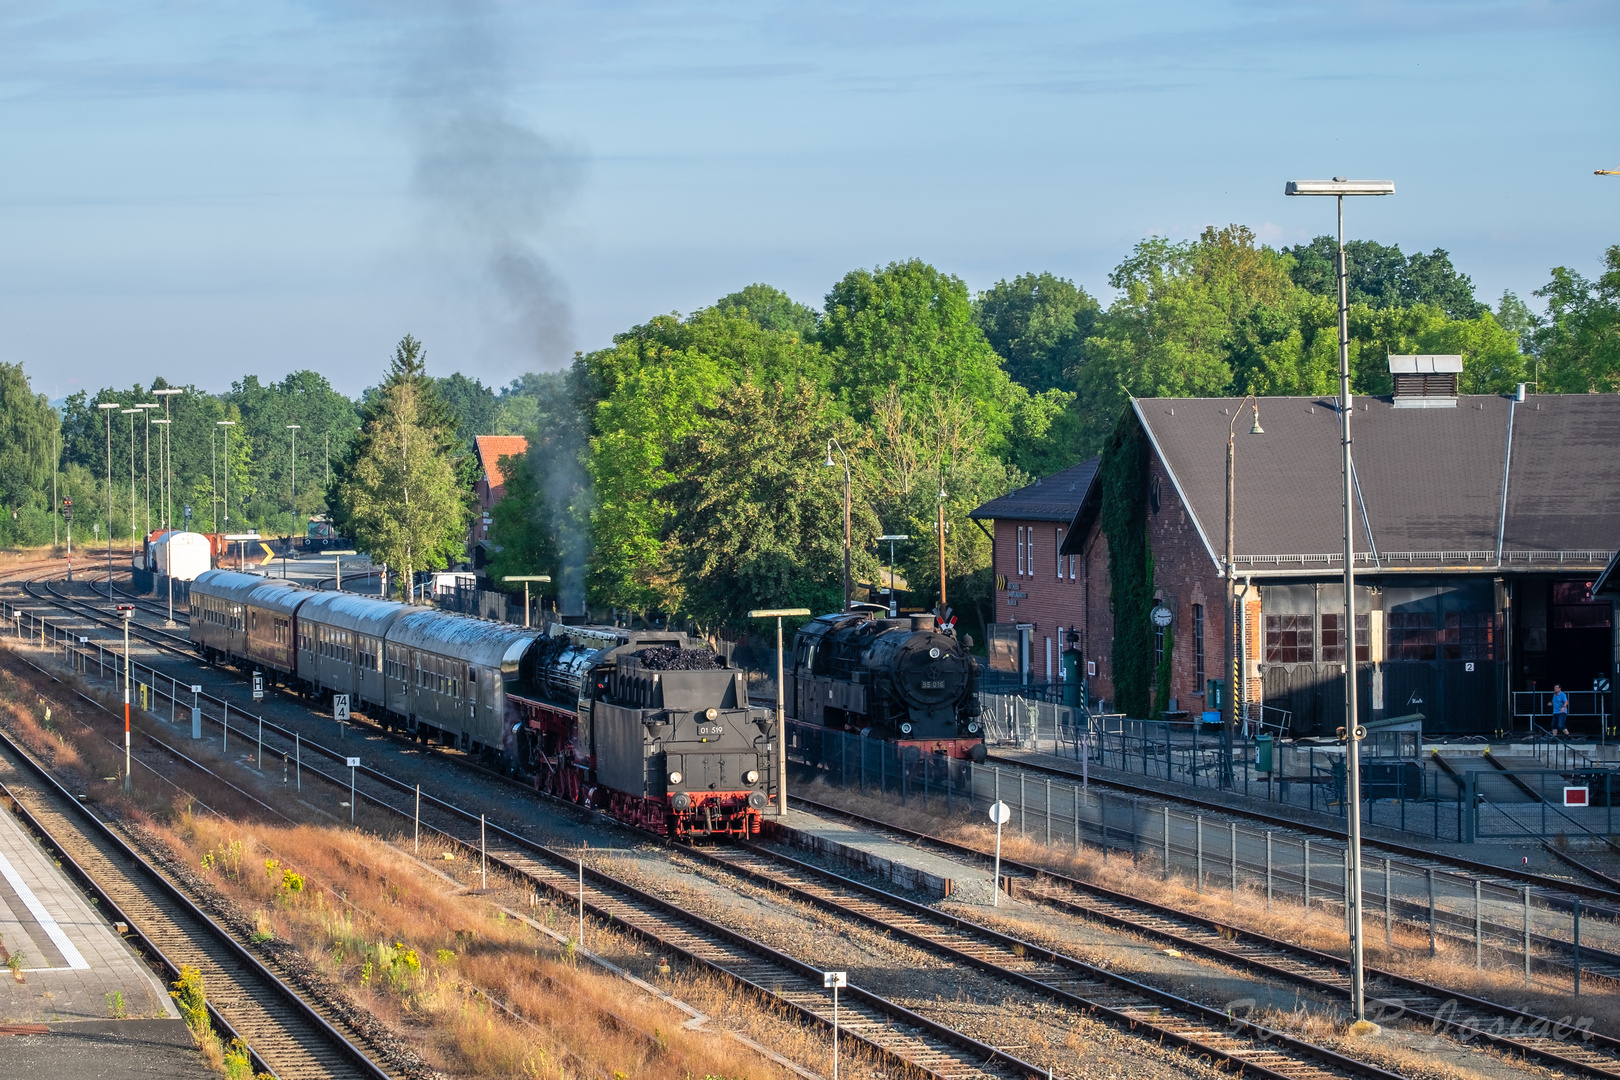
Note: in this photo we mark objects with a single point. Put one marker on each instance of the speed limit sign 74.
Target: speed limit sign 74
(340, 706)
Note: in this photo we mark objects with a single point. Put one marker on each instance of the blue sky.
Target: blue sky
(204, 191)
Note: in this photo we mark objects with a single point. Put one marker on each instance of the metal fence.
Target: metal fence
(1400, 788)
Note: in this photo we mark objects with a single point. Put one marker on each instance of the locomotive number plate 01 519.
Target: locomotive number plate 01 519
(710, 731)
(933, 684)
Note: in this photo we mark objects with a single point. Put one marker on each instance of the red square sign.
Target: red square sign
(1576, 796)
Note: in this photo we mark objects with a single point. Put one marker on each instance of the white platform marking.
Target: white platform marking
(68, 950)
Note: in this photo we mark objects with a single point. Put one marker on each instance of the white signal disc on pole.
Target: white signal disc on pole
(1000, 813)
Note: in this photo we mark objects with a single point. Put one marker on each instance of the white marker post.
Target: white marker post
(196, 712)
(1000, 813)
(354, 763)
(832, 980)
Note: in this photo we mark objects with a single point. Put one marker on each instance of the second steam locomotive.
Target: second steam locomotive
(906, 681)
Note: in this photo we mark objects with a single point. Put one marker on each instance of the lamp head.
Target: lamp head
(1339, 186)
(1257, 429)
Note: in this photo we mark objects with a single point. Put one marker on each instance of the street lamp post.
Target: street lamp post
(829, 463)
(107, 407)
(168, 460)
(526, 578)
(781, 701)
(146, 411)
(894, 601)
(131, 413)
(293, 454)
(1229, 707)
(227, 425)
(1339, 187)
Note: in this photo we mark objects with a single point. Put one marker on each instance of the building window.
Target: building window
(1333, 642)
(1288, 639)
(1411, 636)
(1057, 550)
(1158, 647)
(1020, 551)
(1198, 645)
(1468, 635)
(1071, 567)
(1031, 539)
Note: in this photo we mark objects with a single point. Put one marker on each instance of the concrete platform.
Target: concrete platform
(105, 1048)
(884, 856)
(72, 960)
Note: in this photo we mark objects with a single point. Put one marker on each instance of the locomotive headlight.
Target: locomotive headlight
(676, 777)
(933, 654)
(905, 729)
(751, 777)
(973, 727)
(712, 714)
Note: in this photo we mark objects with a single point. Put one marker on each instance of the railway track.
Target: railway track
(1593, 960)
(899, 1035)
(288, 1036)
(1201, 1028)
(1390, 996)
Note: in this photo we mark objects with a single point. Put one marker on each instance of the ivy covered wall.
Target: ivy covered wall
(1123, 476)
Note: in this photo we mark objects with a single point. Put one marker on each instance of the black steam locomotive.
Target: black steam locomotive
(902, 680)
(653, 727)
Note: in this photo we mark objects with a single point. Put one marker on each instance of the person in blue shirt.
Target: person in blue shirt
(1560, 708)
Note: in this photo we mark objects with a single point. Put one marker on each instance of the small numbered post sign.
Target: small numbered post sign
(258, 687)
(1000, 813)
(353, 763)
(834, 981)
(340, 706)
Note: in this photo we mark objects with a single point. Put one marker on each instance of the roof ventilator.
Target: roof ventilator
(1425, 382)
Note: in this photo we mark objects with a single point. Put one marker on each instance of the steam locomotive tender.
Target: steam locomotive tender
(904, 681)
(650, 726)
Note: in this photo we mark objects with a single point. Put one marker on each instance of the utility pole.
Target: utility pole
(942, 548)
(124, 612)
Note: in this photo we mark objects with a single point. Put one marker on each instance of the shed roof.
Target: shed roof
(1051, 498)
(1429, 483)
(491, 448)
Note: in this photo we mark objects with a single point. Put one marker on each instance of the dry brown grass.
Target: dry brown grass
(403, 943)
(1318, 928)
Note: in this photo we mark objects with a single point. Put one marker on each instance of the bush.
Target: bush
(192, 1001)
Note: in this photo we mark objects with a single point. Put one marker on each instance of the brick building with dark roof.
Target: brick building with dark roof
(1039, 592)
(1481, 528)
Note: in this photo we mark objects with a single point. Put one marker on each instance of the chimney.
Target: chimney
(1518, 395)
(922, 622)
(1425, 382)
